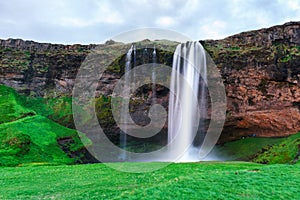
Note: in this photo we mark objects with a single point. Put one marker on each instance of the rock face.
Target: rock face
(261, 72)
(34, 68)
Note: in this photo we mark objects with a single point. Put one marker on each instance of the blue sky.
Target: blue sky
(95, 21)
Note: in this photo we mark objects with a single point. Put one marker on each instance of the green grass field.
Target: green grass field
(228, 180)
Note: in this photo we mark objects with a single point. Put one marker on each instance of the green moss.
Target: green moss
(61, 110)
(10, 108)
(142, 147)
(43, 69)
(13, 143)
(8, 50)
(80, 49)
(27, 54)
(262, 150)
(295, 51)
(115, 67)
(58, 109)
(286, 58)
(284, 152)
(103, 110)
(284, 52)
(213, 50)
(14, 59)
(233, 48)
(245, 149)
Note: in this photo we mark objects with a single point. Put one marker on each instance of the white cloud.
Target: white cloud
(91, 21)
(112, 18)
(292, 4)
(165, 21)
(98, 13)
(213, 30)
(165, 4)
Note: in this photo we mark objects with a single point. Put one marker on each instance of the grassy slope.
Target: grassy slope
(34, 139)
(261, 150)
(176, 181)
(11, 110)
(245, 149)
(287, 151)
(26, 137)
(56, 109)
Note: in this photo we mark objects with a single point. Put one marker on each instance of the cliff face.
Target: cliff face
(36, 68)
(261, 72)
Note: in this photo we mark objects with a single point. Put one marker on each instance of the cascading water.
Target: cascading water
(123, 135)
(145, 56)
(153, 76)
(188, 100)
(134, 64)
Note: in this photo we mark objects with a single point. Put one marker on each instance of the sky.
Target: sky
(96, 21)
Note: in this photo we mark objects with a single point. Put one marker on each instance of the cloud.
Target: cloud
(165, 21)
(93, 21)
(292, 4)
(213, 30)
(150, 33)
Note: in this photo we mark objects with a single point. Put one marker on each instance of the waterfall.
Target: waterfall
(134, 64)
(123, 135)
(188, 99)
(145, 56)
(153, 76)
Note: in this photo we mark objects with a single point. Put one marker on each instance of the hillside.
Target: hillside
(27, 137)
(261, 150)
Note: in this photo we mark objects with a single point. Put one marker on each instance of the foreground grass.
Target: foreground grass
(177, 181)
